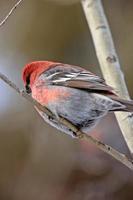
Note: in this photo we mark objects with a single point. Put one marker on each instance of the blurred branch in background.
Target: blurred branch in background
(109, 61)
(9, 13)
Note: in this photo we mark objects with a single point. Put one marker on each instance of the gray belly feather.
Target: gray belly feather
(84, 110)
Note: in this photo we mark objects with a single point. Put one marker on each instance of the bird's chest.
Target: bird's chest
(47, 95)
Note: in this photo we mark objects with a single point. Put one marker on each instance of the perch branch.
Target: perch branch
(104, 147)
(109, 61)
(9, 13)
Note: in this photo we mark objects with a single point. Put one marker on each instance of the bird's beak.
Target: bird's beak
(28, 89)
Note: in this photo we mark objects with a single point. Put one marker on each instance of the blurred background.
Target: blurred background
(37, 161)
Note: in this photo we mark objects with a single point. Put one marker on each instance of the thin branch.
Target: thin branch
(109, 61)
(9, 13)
(104, 147)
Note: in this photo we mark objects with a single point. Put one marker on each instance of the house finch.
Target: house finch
(71, 92)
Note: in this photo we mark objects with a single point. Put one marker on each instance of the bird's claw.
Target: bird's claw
(78, 134)
(50, 118)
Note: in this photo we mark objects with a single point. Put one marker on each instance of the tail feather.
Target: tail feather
(127, 103)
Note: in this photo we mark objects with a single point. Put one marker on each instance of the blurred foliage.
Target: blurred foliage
(37, 162)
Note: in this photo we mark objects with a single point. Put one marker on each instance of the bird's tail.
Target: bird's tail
(127, 103)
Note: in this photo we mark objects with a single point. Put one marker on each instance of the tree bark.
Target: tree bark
(109, 61)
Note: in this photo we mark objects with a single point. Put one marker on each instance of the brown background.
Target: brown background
(37, 161)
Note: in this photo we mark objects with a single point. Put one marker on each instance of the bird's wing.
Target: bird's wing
(76, 77)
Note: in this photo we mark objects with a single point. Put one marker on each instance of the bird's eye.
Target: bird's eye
(27, 86)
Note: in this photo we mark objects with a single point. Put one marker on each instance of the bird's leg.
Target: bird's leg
(51, 118)
(77, 134)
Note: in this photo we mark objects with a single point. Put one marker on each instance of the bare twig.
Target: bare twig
(104, 147)
(9, 13)
(109, 61)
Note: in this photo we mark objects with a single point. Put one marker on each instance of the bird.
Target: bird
(73, 93)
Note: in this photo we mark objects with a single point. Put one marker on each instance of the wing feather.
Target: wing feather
(76, 77)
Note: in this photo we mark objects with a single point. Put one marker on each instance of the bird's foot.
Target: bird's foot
(78, 134)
